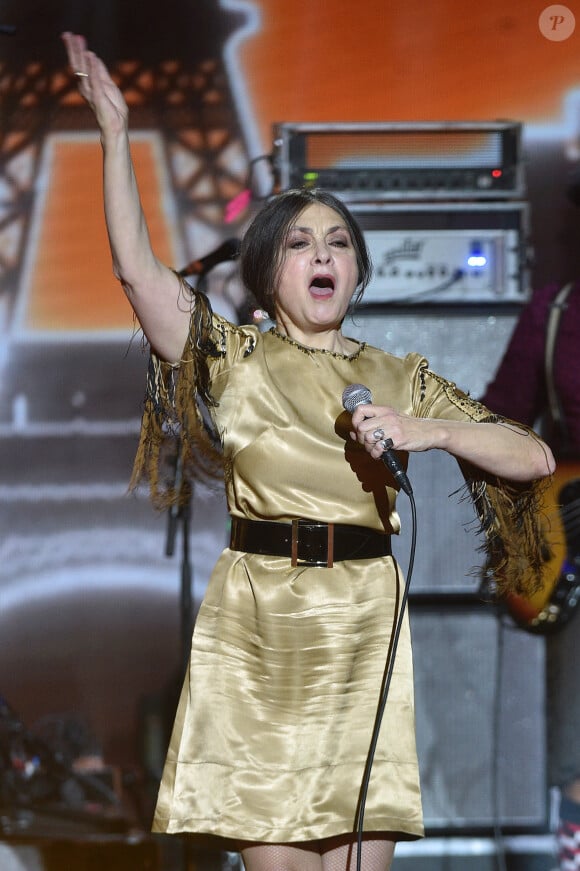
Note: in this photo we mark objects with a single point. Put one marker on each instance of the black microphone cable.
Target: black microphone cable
(389, 666)
(354, 395)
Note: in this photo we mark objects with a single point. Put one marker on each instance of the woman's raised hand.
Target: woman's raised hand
(96, 85)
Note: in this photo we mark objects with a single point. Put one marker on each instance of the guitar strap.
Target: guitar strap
(557, 308)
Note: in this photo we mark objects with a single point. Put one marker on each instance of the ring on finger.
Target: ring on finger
(385, 443)
(378, 434)
(81, 75)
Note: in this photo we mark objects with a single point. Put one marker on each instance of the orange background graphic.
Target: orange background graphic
(71, 282)
(406, 60)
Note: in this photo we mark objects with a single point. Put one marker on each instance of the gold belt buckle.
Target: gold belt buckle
(294, 561)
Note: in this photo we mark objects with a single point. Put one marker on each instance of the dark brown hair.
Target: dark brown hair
(263, 244)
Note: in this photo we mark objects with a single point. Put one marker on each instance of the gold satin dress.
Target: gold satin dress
(278, 706)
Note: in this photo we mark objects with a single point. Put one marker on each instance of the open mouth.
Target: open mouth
(322, 285)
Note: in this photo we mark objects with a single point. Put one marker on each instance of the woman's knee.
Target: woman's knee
(281, 857)
(376, 854)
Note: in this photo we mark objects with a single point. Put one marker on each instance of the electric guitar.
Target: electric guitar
(552, 606)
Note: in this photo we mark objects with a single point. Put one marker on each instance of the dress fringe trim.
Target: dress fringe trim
(510, 516)
(513, 525)
(177, 441)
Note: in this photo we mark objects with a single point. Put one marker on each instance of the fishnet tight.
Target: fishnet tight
(327, 855)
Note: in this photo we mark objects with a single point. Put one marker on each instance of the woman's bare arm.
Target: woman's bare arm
(151, 287)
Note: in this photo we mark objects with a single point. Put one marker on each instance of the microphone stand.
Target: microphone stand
(179, 518)
(181, 514)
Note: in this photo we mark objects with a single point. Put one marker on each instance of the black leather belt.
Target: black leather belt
(308, 543)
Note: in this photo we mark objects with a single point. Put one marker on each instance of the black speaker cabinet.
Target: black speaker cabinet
(479, 683)
(479, 695)
(464, 344)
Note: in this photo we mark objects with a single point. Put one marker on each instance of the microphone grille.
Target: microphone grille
(354, 395)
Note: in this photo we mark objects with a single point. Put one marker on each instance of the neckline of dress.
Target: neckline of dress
(306, 349)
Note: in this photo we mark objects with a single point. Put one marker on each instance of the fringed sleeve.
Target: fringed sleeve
(514, 529)
(177, 442)
(510, 515)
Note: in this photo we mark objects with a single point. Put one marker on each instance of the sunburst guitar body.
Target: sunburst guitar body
(553, 605)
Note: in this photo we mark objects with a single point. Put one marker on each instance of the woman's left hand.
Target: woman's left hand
(96, 85)
(503, 449)
(377, 428)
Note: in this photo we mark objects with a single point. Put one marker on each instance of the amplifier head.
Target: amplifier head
(398, 160)
(447, 252)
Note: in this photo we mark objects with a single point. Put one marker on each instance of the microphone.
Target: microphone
(357, 394)
(228, 250)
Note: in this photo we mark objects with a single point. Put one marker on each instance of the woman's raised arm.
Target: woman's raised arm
(151, 287)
